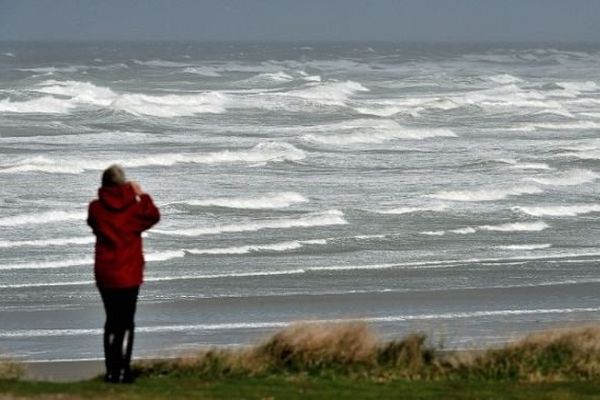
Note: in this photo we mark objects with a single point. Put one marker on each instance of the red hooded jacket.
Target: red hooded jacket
(118, 218)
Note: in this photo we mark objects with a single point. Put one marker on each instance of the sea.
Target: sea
(450, 189)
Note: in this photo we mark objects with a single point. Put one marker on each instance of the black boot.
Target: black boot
(126, 375)
(109, 357)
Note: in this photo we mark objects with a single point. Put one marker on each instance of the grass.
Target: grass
(346, 361)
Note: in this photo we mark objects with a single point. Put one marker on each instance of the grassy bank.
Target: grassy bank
(348, 361)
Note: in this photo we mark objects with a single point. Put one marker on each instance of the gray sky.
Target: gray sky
(302, 20)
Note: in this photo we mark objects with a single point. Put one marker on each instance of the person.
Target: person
(118, 217)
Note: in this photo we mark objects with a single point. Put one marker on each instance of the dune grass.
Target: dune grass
(347, 361)
(351, 349)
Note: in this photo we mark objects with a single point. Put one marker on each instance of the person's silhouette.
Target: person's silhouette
(118, 217)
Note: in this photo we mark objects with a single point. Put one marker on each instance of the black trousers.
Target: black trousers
(119, 305)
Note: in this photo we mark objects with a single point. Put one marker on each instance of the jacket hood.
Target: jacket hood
(117, 197)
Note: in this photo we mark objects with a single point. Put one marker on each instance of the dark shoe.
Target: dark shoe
(127, 377)
(111, 378)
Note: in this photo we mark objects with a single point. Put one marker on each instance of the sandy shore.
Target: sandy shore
(63, 371)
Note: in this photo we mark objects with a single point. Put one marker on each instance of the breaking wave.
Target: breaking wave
(261, 153)
(485, 194)
(43, 218)
(268, 200)
(375, 131)
(569, 178)
(332, 217)
(559, 211)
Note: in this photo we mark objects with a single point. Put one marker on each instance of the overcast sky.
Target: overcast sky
(302, 20)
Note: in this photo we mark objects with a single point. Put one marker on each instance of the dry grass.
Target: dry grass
(352, 349)
(10, 370)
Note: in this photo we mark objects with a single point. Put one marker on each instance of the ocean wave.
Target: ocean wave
(256, 248)
(43, 332)
(279, 76)
(171, 105)
(48, 264)
(202, 70)
(47, 242)
(380, 132)
(261, 153)
(508, 227)
(87, 94)
(265, 201)
(559, 126)
(42, 105)
(161, 63)
(332, 217)
(559, 211)
(331, 92)
(485, 194)
(525, 246)
(43, 217)
(585, 86)
(569, 178)
(504, 78)
(412, 106)
(410, 210)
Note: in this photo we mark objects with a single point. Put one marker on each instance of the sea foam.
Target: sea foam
(261, 153)
(485, 194)
(331, 217)
(265, 201)
(43, 218)
(559, 211)
(568, 178)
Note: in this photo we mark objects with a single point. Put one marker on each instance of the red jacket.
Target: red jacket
(118, 219)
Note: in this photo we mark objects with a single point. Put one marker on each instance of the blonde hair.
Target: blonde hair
(113, 176)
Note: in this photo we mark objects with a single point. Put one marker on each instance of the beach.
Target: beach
(450, 189)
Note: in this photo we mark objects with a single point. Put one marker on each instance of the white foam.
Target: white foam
(332, 217)
(559, 126)
(410, 210)
(263, 152)
(42, 332)
(86, 93)
(266, 201)
(161, 63)
(540, 166)
(171, 105)
(47, 242)
(464, 231)
(279, 76)
(526, 246)
(9, 54)
(276, 247)
(331, 92)
(504, 78)
(586, 86)
(42, 105)
(516, 227)
(377, 131)
(202, 70)
(485, 194)
(433, 233)
(585, 154)
(508, 227)
(569, 178)
(48, 264)
(43, 217)
(559, 211)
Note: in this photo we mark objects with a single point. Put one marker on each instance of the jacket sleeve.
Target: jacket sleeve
(91, 221)
(147, 214)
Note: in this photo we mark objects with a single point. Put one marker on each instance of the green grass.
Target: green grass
(300, 387)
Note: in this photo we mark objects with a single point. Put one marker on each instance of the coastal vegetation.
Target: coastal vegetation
(348, 361)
